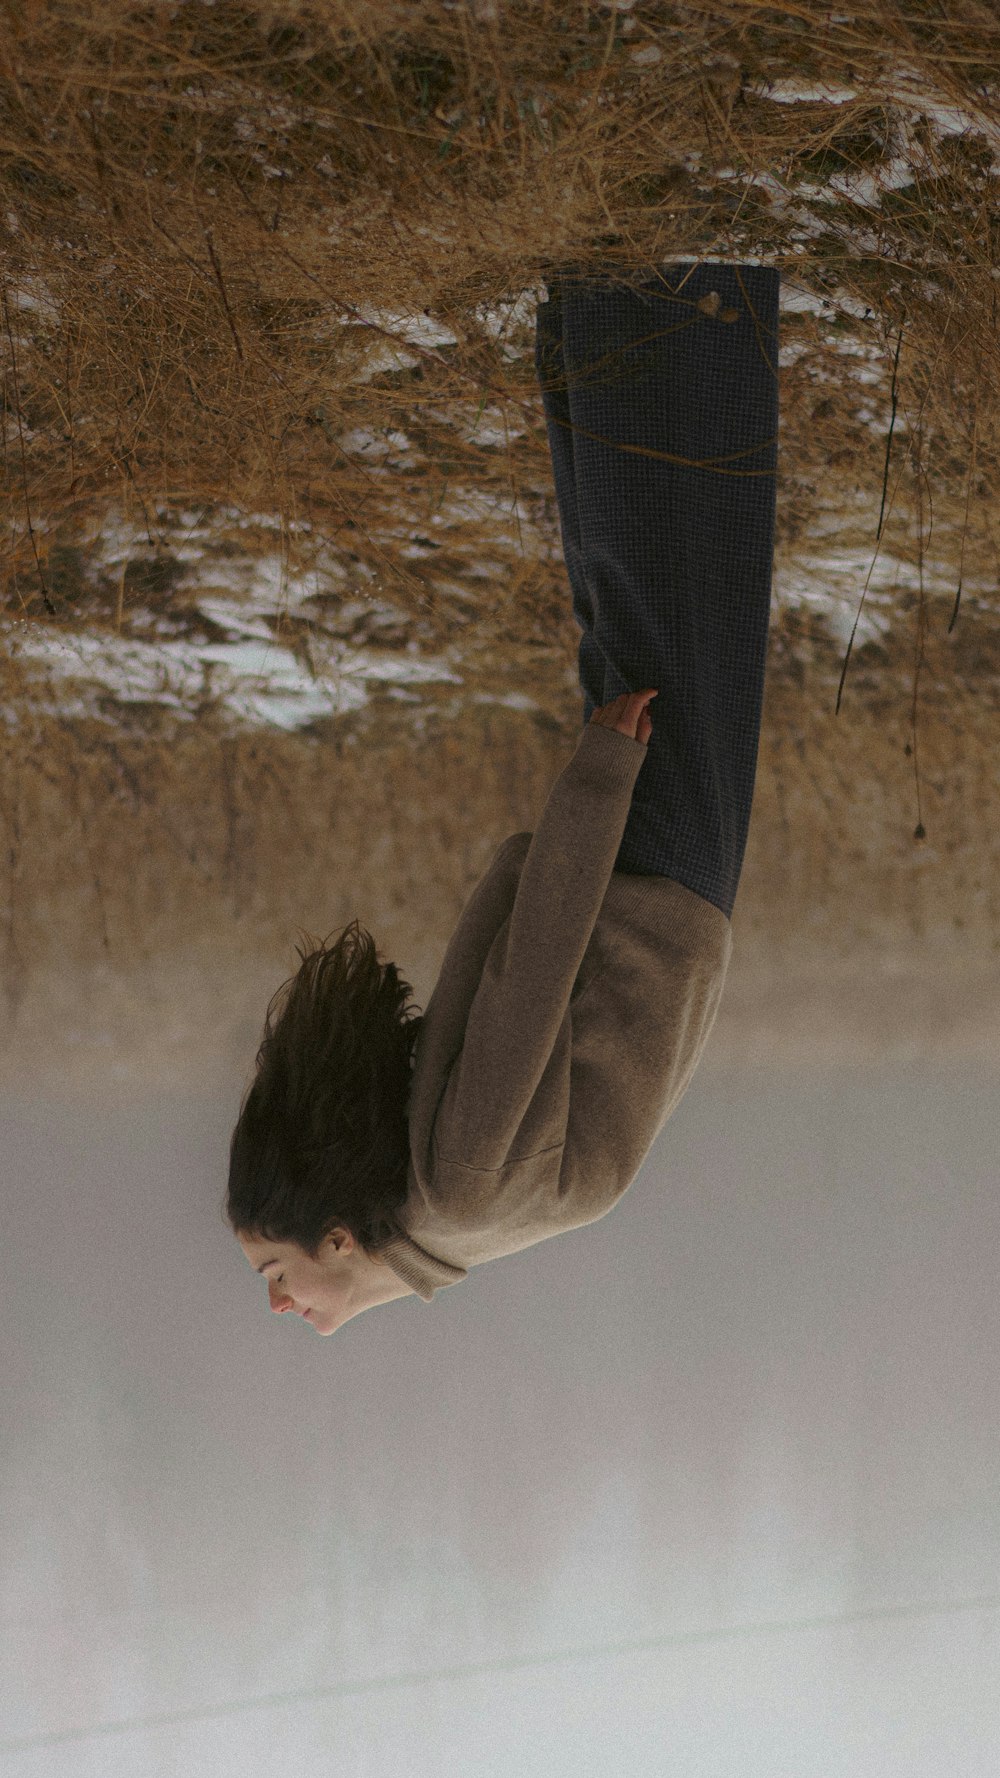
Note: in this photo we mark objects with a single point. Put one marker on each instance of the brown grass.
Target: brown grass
(209, 216)
(204, 197)
(154, 894)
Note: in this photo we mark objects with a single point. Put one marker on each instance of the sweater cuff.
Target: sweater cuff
(608, 758)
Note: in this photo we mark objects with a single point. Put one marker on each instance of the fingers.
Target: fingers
(629, 713)
(642, 699)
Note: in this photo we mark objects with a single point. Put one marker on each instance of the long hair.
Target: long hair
(322, 1137)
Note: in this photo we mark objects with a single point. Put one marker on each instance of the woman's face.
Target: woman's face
(323, 1290)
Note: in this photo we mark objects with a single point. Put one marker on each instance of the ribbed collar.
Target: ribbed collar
(421, 1270)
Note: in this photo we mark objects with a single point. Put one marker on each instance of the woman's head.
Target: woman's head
(322, 1138)
(327, 1291)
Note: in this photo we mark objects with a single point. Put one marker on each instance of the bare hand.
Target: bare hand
(628, 714)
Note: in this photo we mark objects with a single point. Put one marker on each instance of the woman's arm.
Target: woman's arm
(521, 999)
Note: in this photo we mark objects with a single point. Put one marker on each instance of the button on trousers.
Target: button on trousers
(661, 405)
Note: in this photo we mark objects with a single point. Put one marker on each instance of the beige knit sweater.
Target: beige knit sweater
(571, 1009)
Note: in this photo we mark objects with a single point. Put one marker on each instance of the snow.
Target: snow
(254, 677)
(260, 676)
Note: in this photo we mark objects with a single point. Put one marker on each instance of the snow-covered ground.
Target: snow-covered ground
(245, 664)
(248, 663)
(259, 679)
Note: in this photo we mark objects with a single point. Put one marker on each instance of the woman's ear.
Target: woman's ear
(339, 1240)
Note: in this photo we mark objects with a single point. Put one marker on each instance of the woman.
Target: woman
(379, 1154)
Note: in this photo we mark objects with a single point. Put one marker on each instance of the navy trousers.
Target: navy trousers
(661, 406)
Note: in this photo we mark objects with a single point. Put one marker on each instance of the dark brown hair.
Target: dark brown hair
(322, 1137)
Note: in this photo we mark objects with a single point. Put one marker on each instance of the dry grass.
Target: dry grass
(199, 201)
(212, 217)
(153, 894)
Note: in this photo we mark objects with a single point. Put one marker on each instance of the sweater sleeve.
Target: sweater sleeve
(519, 1009)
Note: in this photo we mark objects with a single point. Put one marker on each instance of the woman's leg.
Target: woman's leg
(661, 403)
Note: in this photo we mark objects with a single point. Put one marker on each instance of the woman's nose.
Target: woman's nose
(282, 1303)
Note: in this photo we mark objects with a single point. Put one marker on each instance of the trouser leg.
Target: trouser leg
(662, 420)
